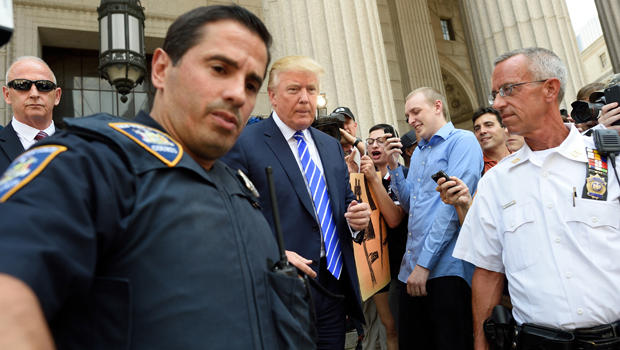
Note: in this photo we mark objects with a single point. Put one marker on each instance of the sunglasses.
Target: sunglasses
(25, 85)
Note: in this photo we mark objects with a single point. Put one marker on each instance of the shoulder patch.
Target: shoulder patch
(26, 167)
(154, 141)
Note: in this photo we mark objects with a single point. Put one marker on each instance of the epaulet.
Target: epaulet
(26, 167)
(158, 143)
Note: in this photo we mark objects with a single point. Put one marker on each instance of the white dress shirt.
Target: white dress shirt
(26, 133)
(559, 251)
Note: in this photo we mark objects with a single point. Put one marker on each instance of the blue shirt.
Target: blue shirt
(433, 225)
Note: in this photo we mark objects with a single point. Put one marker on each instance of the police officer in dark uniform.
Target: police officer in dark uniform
(132, 235)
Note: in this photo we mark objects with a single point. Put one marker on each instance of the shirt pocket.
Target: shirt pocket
(521, 241)
(598, 224)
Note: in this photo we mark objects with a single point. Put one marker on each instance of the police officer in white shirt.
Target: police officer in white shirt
(546, 217)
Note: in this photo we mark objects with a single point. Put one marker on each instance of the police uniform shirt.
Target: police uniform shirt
(559, 251)
(127, 248)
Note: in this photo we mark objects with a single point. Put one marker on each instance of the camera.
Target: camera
(586, 111)
(330, 125)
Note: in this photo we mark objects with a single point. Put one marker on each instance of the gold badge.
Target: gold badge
(596, 186)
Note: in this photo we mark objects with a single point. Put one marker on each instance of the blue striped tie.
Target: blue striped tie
(323, 208)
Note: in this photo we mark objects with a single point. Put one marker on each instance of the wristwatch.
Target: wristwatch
(357, 140)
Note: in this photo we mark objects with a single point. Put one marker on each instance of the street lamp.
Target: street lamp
(121, 36)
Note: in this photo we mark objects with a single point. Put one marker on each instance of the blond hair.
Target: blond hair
(431, 95)
(293, 63)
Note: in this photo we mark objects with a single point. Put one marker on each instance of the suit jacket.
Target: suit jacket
(261, 145)
(10, 146)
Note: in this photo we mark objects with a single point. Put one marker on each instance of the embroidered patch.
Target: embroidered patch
(26, 167)
(156, 142)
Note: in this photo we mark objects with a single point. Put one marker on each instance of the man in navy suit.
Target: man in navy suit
(288, 144)
(32, 92)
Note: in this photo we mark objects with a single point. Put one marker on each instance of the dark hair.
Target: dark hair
(485, 110)
(185, 31)
(387, 128)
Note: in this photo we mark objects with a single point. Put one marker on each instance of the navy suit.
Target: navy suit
(10, 146)
(261, 145)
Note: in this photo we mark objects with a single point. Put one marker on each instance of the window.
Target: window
(84, 93)
(446, 29)
(604, 60)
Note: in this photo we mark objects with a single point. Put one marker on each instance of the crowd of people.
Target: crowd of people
(166, 231)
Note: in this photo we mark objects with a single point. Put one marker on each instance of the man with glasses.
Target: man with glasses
(554, 230)
(436, 301)
(32, 93)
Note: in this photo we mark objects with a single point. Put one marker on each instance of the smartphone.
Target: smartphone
(612, 94)
(438, 175)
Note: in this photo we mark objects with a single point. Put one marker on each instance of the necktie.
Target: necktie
(323, 208)
(40, 135)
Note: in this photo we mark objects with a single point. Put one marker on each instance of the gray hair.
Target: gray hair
(28, 58)
(544, 64)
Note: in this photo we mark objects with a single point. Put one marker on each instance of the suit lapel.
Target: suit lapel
(9, 142)
(282, 152)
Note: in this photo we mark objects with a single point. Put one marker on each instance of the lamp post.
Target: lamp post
(122, 61)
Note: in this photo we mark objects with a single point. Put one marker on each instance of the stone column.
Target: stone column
(498, 27)
(608, 14)
(420, 51)
(345, 38)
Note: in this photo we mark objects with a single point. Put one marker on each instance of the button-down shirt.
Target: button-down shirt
(433, 225)
(26, 133)
(558, 250)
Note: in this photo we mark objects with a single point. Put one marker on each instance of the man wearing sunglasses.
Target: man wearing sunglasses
(32, 93)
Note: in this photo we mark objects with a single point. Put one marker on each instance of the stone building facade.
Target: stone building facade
(374, 51)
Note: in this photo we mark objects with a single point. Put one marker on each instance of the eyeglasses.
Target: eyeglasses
(25, 85)
(506, 90)
(380, 141)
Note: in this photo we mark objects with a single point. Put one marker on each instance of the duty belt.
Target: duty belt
(534, 337)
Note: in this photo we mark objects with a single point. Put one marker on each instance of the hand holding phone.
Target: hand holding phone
(438, 175)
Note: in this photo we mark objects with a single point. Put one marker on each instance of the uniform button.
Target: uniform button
(550, 206)
(579, 311)
(595, 219)
(557, 240)
(409, 234)
(569, 275)
(413, 197)
(422, 163)
(410, 215)
(418, 179)
(409, 252)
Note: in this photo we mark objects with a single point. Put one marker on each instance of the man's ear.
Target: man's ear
(5, 94)
(159, 68)
(551, 89)
(438, 106)
(271, 97)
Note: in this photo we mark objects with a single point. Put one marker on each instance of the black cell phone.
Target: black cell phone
(438, 175)
(612, 94)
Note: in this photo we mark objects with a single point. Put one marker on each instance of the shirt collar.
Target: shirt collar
(442, 133)
(28, 132)
(573, 148)
(286, 130)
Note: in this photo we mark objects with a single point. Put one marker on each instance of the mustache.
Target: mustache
(224, 106)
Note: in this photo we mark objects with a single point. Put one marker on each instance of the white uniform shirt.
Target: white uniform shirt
(562, 260)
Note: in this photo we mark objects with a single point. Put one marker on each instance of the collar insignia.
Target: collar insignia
(26, 167)
(154, 141)
(248, 183)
